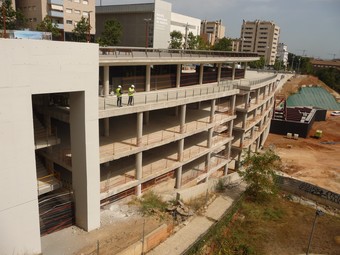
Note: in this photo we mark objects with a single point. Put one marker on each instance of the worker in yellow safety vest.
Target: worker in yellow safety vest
(119, 93)
(131, 94)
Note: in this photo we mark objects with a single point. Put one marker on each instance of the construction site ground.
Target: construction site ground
(314, 160)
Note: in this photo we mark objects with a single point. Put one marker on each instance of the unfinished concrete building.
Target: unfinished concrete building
(75, 150)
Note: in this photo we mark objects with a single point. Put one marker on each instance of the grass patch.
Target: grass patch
(277, 226)
(151, 203)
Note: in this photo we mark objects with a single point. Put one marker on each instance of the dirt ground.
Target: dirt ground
(313, 160)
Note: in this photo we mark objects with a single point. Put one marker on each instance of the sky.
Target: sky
(310, 27)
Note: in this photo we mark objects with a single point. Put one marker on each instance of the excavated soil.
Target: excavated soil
(313, 160)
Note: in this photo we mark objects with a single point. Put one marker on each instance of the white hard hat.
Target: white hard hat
(132, 86)
(119, 86)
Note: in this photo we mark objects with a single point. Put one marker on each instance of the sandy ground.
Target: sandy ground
(313, 160)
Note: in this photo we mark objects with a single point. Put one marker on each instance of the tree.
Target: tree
(257, 64)
(278, 65)
(192, 41)
(111, 34)
(176, 38)
(259, 174)
(46, 25)
(202, 44)
(81, 30)
(223, 44)
(15, 20)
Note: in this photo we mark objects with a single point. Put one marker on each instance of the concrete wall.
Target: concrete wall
(32, 67)
(162, 23)
(179, 22)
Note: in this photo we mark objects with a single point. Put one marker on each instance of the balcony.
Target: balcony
(57, 2)
(60, 26)
(56, 14)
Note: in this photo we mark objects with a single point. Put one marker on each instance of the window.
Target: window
(68, 10)
(85, 14)
(77, 11)
(76, 1)
(85, 2)
(69, 22)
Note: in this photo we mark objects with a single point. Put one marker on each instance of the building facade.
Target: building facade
(261, 37)
(212, 31)
(282, 54)
(146, 24)
(66, 14)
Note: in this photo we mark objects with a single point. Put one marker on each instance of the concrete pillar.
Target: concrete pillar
(242, 140)
(106, 88)
(106, 127)
(147, 88)
(201, 74)
(85, 159)
(179, 158)
(251, 133)
(212, 110)
(199, 104)
(139, 172)
(257, 95)
(233, 71)
(225, 170)
(178, 75)
(245, 68)
(139, 128)
(182, 117)
(178, 177)
(207, 162)
(210, 137)
(247, 101)
(230, 128)
(180, 150)
(148, 78)
(233, 106)
(257, 144)
(244, 122)
(219, 71)
(238, 162)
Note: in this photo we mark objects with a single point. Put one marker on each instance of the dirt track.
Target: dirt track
(314, 160)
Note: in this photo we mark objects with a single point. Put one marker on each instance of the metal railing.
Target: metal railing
(135, 52)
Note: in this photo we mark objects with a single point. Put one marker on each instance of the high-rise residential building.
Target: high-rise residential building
(261, 37)
(66, 14)
(282, 54)
(236, 44)
(212, 31)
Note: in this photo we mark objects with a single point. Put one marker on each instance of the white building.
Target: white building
(282, 53)
(145, 23)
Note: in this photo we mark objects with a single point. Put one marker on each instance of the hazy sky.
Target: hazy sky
(310, 25)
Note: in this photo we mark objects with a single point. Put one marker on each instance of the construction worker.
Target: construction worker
(119, 94)
(131, 93)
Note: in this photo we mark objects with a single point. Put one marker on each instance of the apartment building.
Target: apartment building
(212, 31)
(282, 54)
(62, 132)
(261, 37)
(65, 13)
